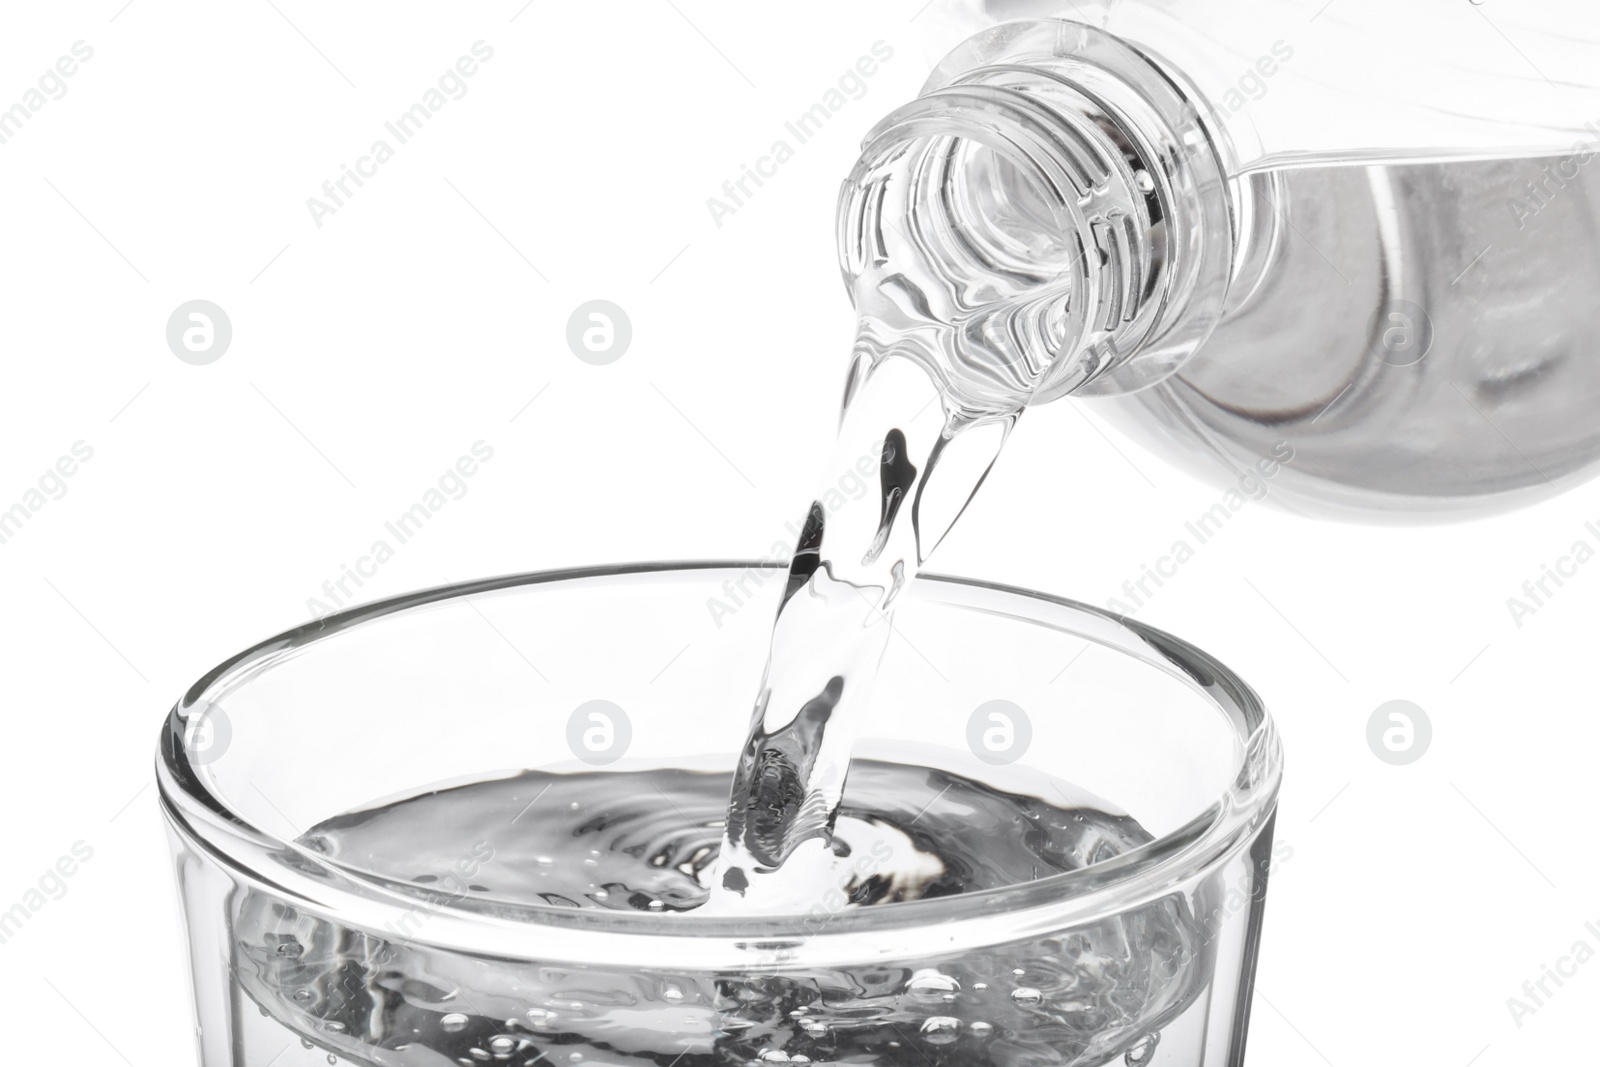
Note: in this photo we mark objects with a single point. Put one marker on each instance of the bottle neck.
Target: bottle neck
(1049, 160)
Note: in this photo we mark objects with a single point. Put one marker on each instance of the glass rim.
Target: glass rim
(208, 822)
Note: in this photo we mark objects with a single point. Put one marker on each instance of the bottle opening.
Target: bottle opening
(1051, 196)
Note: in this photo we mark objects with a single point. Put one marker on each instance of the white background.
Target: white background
(429, 313)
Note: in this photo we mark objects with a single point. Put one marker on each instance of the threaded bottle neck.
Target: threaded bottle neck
(1052, 165)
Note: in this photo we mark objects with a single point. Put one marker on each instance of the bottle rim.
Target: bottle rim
(1156, 233)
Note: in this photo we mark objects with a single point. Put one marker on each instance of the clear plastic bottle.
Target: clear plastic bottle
(1357, 242)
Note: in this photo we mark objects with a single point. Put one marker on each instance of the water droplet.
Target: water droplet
(541, 1018)
(290, 949)
(1026, 995)
(1141, 1051)
(774, 1055)
(1018, 973)
(980, 986)
(479, 1054)
(453, 1023)
(980, 1029)
(302, 995)
(332, 1058)
(502, 1044)
(929, 984)
(576, 1057)
(941, 1029)
(305, 1042)
(672, 994)
(1143, 182)
(797, 1058)
(814, 1027)
(334, 1026)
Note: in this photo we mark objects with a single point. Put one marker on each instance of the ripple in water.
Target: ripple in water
(647, 842)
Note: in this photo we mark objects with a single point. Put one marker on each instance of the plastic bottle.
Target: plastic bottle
(1356, 240)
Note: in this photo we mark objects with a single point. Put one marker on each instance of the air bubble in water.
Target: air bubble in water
(929, 984)
(1026, 995)
(453, 1023)
(941, 1029)
(1142, 1050)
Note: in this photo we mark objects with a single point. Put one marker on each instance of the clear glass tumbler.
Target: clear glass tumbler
(301, 957)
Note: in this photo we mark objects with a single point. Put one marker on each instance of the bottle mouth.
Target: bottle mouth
(970, 195)
(1048, 164)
